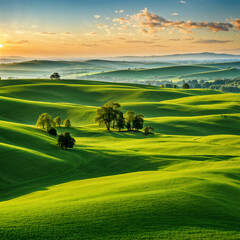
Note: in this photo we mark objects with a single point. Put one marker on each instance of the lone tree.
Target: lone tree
(45, 120)
(65, 141)
(185, 86)
(129, 116)
(67, 123)
(58, 121)
(105, 115)
(138, 122)
(120, 121)
(55, 76)
(148, 130)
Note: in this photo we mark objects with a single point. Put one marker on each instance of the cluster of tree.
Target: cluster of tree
(110, 115)
(66, 141)
(46, 122)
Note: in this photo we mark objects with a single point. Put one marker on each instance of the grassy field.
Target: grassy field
(181, 183)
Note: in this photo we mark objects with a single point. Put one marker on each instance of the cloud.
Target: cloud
(88, 45)
(67, 33)
(212, 41)
(48, 33)
(102, 26)
(97, 16)
(119, 11)
(175, 14)
(91, 34)
(182, 2)
(174, 39)
(139, 42)
(236, 23)
(148, 22)
(17, 42)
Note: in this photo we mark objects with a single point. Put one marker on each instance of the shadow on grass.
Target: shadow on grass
(91, 163)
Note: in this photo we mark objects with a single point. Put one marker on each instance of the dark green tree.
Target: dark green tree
(58, 121)
(138, 122)
(105, 115)
(45, 120)
(67, 123)
(55, 76)
(52, 131)
(148, 130)
(185, 86)
(120, 122)
(66, 141)
(115, 107)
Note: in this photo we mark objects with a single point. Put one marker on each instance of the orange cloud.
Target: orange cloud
(236, 23)
(152, 23)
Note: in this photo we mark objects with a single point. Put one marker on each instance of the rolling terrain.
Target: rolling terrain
(205, 71)
(72, 69)
(181, 183)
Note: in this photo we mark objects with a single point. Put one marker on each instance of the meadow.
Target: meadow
(180, 183)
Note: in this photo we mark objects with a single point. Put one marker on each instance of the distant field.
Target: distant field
(230, 73)
(181, 183)
(72, 69)
(124, 71)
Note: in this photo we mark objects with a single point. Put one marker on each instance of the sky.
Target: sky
(97, 28)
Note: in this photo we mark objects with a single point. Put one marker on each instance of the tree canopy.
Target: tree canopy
(148, 130)
(55, 76)
(137, 122)
(58, 121)
(129, 116)
(185, 86)
(45, 120)
(105, 115)
(67, 123)
(66, 141)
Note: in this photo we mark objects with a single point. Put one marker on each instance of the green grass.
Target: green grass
(181, 183)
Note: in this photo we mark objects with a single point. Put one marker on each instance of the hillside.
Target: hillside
(43, 68)
(154, 73)
(181, 183)
(230, 73)
(224, 65)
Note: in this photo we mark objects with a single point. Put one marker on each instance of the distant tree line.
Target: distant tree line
(222, 84)
(111, 116)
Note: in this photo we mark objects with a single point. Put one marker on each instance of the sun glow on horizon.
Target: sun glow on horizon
(1, 45)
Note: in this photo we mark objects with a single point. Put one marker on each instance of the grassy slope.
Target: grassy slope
(182, 183)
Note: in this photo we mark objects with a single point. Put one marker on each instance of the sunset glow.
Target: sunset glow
(104, 28)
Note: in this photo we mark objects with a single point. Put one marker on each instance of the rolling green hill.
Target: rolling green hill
(43, 68)
(154, 73)
(181, 183)
(231, 73)
(225, 65)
